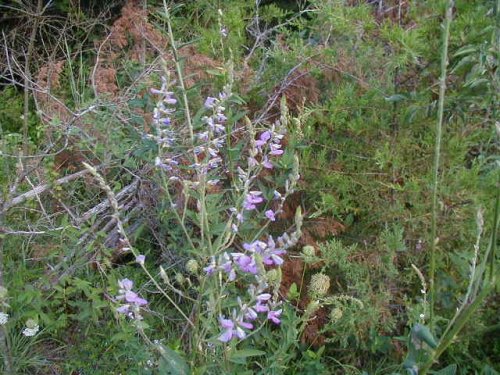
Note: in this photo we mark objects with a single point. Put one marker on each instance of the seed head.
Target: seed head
(192, 266)
(336, 314)
(319, 285)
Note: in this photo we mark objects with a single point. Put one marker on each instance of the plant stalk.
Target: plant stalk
(437, 157)
(466, 311)
(4, 347)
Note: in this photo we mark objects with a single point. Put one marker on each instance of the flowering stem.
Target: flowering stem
(121, 232)
(437, 155)
(203, 217)
(470, 306)
(179, 73)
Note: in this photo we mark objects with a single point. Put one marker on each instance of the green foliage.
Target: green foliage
(11, 115)
(365, 143)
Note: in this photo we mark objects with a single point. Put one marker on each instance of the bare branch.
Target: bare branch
(41, 189)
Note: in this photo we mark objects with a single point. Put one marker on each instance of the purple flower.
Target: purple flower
(274, 316)
(263, 139)
(132, 298)
(125, 284)
(246, 263)
(227, 267)
(221, 117)
(263, 297)
(203, 136)
(210, 102)
(261, 307)
(272, 255)
(252, 198)
(251, 314)
(232, 329)
(123, 309)
(255, 247)
(170, 100)
(165, 121)
(229, 330)
(266, 163)
(245, 324)
(140, 259)
(210, 269)
(270, 215)
(275, 149)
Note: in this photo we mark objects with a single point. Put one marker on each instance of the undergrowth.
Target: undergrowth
(242, 187)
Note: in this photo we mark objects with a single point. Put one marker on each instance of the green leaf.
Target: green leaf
(171, 363)
(487, 370)
(215, 72)
(449, 370)
(293, 292)
(244, 353)
(395, 98)
(422, 333)
(240, 356)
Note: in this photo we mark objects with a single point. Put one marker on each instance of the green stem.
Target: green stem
(457, 327)
(204, 230)
(180, 75)
(466, 311)
(437, 155)
(4, 347)
(121, 230)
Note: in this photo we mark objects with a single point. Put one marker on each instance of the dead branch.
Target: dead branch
(41, 189)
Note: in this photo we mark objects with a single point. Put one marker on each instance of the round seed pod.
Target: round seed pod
(319, 285)
(192, 266)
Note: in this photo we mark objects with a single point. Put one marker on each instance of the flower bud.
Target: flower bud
(192, 266)
(3, 293)
(309, 251)
(336, 314)
(179, 277)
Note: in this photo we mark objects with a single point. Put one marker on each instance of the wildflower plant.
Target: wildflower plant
(224, 183)
(237, 258)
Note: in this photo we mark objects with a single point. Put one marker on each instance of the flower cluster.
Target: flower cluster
(262, 150)
(252, 262)
(206, 165)
(267, 145)
(206, 142)
(133, 302)
(165, 136)
(4, 317)
(212, 136)
(259, 302)
(31, 328)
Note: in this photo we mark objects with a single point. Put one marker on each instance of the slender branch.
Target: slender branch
(42, 188)
(27, 75)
